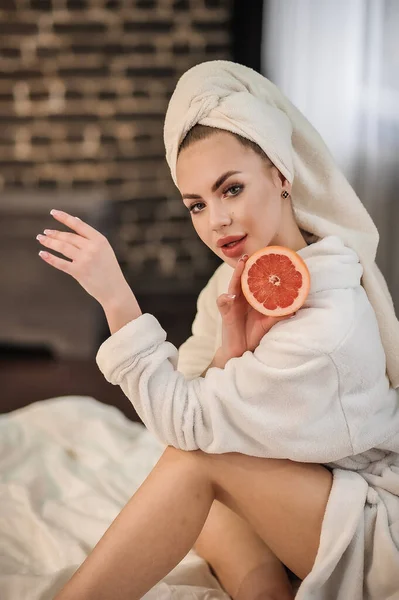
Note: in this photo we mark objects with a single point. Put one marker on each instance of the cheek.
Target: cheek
(202, 230)
(262, 220)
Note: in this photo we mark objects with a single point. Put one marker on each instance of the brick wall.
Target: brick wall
(84, 86)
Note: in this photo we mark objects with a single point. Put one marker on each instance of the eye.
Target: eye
(234, 189)
(192, 207)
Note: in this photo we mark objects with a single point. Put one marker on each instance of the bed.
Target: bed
(68, 465)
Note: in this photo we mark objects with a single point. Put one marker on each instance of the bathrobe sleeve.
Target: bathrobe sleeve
(281, 401)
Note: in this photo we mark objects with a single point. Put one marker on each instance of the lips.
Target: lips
(236, 250)
(228, 240)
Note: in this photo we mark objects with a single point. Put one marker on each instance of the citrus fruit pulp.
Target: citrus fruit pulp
(275, 281)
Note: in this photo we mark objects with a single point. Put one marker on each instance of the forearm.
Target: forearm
(122, 309)
(200, 414)
(140, 360)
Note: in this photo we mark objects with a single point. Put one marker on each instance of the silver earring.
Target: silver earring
(285, 194)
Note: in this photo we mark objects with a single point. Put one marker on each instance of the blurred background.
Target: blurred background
(84, 87)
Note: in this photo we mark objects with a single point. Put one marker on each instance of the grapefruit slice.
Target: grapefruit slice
(275, 281)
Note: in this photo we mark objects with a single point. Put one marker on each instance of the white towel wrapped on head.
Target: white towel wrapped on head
(230, 96)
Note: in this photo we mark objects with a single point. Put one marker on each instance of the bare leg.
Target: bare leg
(283, 501)
(243, 563)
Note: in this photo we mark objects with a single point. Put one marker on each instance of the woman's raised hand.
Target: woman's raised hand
(243, 326)
(94, 264)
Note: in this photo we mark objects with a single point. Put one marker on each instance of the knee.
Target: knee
(209, 467)
(194, 459)
(173, 453)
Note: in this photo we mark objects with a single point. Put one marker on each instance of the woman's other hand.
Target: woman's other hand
(94, 264)
(243, 326)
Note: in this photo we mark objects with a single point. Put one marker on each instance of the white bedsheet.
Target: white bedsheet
(67, 467)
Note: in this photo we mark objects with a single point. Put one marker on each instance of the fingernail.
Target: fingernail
(244, 256)
(53, 211)
(231, 296)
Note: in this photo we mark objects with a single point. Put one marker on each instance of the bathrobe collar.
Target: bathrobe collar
(331, 264)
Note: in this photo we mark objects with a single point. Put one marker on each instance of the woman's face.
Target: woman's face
(231, 191)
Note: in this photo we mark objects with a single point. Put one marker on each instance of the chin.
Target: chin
(229, 261)
(232, 262)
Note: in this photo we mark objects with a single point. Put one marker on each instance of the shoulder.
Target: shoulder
(322, 325)
(336, 299)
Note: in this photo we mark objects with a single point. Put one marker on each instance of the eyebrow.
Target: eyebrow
(219, 181)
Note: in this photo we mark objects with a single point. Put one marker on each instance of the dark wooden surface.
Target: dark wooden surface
(28, 375)
(27, 379)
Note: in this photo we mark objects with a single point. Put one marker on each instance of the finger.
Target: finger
(235, 281)
(224, 303)
(224, 299)
(64, 236)
(62, 247)
(268, 322)
(76, 224)
(227, 298)
(284, 317)
(54, 261)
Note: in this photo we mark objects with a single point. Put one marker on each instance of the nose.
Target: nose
(219, 216)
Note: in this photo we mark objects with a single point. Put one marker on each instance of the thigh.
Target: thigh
(239, 557)
(283, 501)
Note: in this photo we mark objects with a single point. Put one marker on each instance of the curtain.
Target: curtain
(338, 62)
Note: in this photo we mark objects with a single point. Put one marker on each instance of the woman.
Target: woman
(286, 452)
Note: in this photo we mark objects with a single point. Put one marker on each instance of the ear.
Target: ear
(281, 181)
(286, 186)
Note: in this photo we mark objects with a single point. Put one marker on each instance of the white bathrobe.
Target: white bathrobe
(314, 390)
